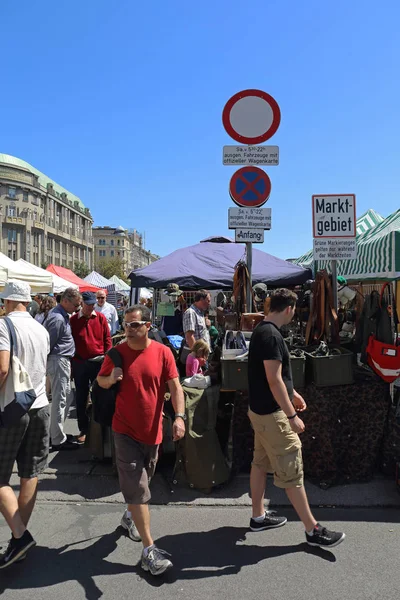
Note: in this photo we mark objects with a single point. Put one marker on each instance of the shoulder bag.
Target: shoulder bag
(17, 395)
(104, 400)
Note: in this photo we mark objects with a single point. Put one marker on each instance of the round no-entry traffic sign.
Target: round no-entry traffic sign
(251, 117)
(250, 187)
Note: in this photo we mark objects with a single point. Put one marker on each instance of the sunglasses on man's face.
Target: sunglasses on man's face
(134, 324)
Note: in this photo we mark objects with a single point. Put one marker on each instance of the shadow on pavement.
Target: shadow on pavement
(195, 556)
(219, 552)
(45, 567)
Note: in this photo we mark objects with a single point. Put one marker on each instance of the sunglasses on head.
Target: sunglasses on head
(134, 324)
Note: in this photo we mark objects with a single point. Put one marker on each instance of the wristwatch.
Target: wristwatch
(181, 415)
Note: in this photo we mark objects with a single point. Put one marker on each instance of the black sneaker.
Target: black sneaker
(16, 550)
(269, 522)
(324, 538)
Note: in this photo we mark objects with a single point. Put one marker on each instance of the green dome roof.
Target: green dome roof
(13, 161)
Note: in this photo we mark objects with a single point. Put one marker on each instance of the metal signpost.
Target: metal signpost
(250, 117)
(334, 230)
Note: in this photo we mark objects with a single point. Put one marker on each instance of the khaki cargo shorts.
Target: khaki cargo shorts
(277, 449)
(136, 463)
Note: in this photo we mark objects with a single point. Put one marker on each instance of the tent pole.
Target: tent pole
(334, 283)
(249, 257)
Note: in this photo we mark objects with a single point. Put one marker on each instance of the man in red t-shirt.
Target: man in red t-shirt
(137, 424)
(92, 339)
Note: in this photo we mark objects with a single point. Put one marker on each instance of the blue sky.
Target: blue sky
(121, 103)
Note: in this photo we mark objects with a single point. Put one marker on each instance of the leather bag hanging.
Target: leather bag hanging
(323, 323)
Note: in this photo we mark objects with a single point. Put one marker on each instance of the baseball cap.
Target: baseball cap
(89, 298)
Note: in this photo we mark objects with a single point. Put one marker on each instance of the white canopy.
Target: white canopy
(59, 284)
(120, 285)
(41, 283)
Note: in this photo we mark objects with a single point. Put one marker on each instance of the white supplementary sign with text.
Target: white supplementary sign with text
(335, 249)
(250, 155)
(334, 216)
(249, 218)
(249, 235)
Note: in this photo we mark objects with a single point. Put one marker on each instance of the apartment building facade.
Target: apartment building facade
(40, 221)
(117, 242)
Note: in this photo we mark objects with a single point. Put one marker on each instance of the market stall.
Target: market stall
(336, 385)
(59, 284)
(211, 264)
(40, 282)
(120, 285)
(99, 281)
(70, 276)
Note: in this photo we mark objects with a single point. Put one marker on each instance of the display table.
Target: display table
(344, 433)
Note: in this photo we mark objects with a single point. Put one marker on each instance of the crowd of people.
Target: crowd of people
(70, 340)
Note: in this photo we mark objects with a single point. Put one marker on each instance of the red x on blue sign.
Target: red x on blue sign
(250, 187)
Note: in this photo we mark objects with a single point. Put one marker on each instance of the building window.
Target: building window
(28, 238)
(25, 196)
(102, 252)
(119, 242)
(12, 211)
(12, 192)
(35, 200)
(49, 243)
(12, 235)
(112, 253)
(12, 254)
(112, 242)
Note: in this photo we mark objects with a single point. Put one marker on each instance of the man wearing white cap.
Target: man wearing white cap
(27, 439)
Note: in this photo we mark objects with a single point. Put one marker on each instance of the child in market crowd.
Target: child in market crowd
(197, 358)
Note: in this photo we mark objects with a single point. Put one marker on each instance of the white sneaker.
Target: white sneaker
(130, 527)
(155, 561)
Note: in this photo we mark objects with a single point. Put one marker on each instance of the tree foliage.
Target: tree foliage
(111, 266)
(81, 269)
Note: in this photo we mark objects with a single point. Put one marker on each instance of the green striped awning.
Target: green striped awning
(378, 253)
(364, 224)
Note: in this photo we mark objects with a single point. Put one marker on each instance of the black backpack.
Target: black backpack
(104, 400)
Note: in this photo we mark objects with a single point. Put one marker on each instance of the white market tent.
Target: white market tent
(99, 281)
(123, 288)
(120, 285)
(59, 284)
(41, 283)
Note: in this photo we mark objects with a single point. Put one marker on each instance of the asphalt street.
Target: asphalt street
(82, 553)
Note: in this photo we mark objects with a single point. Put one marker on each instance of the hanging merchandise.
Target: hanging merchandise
(241, 278)
(323, 323)
(384, 357)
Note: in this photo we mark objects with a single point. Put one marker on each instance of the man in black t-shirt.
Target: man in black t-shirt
(273, 413)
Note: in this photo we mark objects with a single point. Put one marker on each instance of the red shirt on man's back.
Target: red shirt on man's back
(91, 336)
(140, 399)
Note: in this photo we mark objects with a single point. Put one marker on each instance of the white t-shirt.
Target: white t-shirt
(33, 347)
(110, 313)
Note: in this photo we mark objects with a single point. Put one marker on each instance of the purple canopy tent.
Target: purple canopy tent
(211, 264)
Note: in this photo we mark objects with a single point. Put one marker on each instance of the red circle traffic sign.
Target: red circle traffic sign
(250, 187)
(251, 117)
